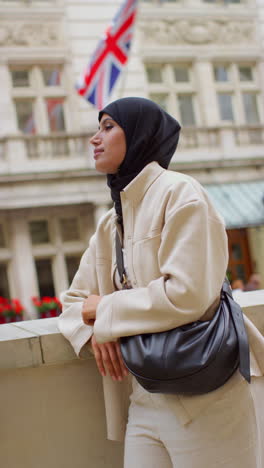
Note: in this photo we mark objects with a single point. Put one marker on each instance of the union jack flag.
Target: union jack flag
(109, 57)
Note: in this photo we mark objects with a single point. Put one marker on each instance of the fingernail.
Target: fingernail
(120, 379)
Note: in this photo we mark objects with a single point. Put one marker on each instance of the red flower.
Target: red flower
(47, 306)
(10, 310)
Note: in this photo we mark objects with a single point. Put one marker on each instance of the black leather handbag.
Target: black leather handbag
(191, 359)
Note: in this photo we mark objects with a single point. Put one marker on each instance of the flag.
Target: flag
(109, 57)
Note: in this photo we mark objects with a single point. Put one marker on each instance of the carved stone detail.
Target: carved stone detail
(198, 31)
(29, 34)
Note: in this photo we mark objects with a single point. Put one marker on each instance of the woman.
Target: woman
(175, 254)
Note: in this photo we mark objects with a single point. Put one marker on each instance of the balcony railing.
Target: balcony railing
(23, 153)
(57, 146)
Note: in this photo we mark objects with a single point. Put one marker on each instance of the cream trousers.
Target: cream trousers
(226, 435)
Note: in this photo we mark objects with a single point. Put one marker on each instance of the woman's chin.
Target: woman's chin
(100, 167)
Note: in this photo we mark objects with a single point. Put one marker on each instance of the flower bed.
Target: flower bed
(10, 310)
(47, 307)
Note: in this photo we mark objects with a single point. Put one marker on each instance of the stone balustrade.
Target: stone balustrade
(51, 403)
(36, 153)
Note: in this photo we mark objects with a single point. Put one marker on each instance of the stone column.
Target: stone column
(7, 110)
(204, 82)
(59, 263)
(22, 265)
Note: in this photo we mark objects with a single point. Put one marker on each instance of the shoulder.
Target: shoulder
(180, 189)
(177, 181)
(181, 186)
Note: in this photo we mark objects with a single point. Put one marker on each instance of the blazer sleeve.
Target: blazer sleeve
(192, 257)
(70, 322)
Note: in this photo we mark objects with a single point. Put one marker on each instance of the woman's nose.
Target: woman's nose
(95, 139)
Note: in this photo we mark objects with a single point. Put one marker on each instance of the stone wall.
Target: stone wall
(51, 403)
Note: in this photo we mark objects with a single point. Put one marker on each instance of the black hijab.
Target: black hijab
(151, 135)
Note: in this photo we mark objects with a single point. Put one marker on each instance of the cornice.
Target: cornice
(34, 55)
(203, 11)
(92, 175)
(159, 54)
(31, 13)
(51, 176)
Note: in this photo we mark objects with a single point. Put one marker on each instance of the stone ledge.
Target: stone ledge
(36, 343)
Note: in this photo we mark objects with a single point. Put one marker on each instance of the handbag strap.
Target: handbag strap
(226, 295)
(120, 262)
(237, 315)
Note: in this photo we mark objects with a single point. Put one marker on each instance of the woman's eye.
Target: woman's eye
(109, 127)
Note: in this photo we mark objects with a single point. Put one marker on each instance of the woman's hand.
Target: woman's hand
(109, 359)
(89, 309)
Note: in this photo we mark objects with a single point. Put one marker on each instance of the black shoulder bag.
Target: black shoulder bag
(191, 359)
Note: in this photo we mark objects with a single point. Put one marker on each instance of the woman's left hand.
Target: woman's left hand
(89, 309)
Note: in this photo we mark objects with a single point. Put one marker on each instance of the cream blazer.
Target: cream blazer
(177, 255)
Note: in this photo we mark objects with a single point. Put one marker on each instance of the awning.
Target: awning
(241, 204)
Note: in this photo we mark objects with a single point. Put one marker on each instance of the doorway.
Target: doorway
(240, 263)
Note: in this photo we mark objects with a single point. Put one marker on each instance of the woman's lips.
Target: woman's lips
(96, 153)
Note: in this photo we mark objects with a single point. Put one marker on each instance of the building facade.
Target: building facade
(201, 60)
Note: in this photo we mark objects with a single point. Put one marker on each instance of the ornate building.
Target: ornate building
(201, 60)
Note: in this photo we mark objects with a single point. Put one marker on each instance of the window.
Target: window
(55, 114)
(160, 99)
(245, 74)
(221, 73)
(181, 75)
(39, 232)
(25, 116)
(4, 287)
(238, 93)
(251, 108)
(51, 76)
(58, 240)
(20, 78)
(225, 106)
(154, 74)
(70, 229)
(186, 109)
(171, 85)
(40, 98)
(45, 277)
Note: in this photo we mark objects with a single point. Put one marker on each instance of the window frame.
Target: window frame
(38, 92)
(171, 89)
(237, 87)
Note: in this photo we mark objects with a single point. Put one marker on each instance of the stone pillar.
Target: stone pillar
(59, 264)
(204, 82)
(99, 211)
(23, 266)
(7, 110)
(16, 151)
(228, 143)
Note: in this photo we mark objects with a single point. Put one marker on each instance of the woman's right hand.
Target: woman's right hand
(109, 359)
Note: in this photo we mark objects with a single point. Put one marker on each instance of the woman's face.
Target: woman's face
(109, 146)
